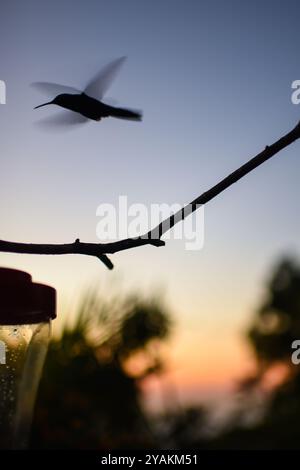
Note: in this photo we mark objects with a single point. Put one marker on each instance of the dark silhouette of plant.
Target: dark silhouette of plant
(87, 397)
(277, 322)
(275, 326)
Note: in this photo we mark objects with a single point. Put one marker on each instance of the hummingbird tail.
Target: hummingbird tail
(122, 113)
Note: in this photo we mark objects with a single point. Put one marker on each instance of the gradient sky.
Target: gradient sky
(214, 81)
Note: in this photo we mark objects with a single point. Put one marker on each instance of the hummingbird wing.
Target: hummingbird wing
(53, 89)
(61, 121)
(98, 86)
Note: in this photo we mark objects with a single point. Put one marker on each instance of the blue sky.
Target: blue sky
(214, 81)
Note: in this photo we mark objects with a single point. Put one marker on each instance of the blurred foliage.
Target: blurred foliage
(87, 397)
(277, 322)
(275, 326)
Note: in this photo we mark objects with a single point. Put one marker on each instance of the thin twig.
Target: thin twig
(92, 249)
(100, 250)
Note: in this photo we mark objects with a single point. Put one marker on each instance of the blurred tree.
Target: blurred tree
(88, 397)
(277, 322)
(275, 326)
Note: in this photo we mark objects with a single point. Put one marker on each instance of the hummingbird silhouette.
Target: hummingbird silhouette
(86, 105)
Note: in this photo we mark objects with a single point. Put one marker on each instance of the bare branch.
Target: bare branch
(92, 249)
(100, 250)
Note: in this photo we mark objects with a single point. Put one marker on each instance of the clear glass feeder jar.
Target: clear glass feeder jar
(26, 310)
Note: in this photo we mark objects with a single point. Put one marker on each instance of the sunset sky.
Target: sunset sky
(214, 81)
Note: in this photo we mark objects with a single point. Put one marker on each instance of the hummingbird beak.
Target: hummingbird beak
(45, 104)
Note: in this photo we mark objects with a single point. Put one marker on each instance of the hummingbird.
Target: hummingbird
(87, 105)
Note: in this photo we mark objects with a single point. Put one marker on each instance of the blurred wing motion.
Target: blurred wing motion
(54, 89)
(98, 86)
(61, 121)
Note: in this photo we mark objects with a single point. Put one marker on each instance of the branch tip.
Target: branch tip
(105, 259)
(157, 242)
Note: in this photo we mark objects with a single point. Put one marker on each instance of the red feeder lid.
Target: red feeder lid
(23, 301)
